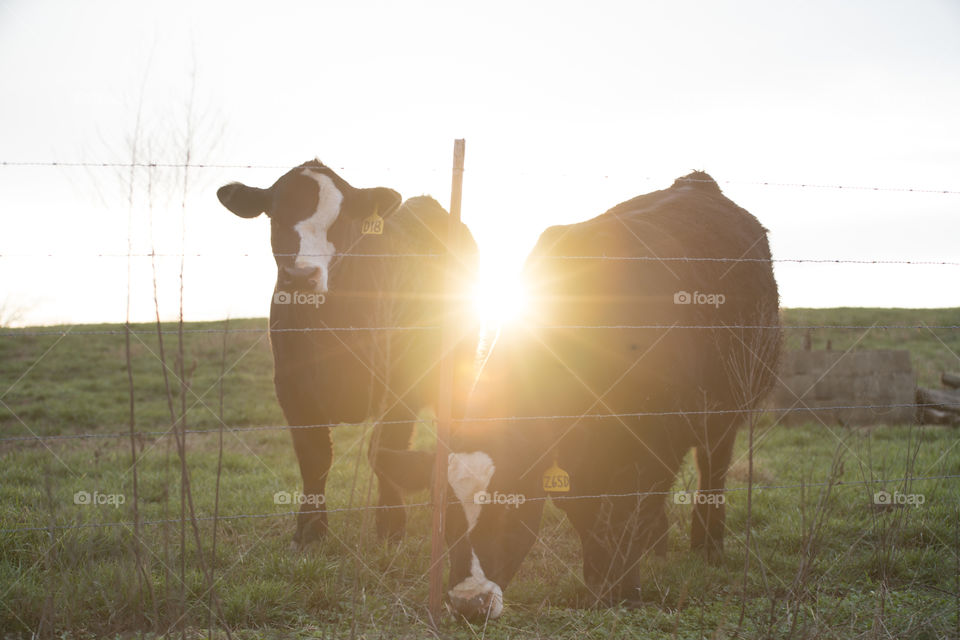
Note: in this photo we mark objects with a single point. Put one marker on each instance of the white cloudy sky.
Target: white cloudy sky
(567, 109)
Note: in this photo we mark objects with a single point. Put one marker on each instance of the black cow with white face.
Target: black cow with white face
(639, 356)
(354, 322)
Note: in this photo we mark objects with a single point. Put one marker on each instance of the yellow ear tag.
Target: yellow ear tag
(556, 480)
(372, 225)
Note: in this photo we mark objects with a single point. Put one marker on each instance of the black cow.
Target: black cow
(354, 321)
(622, 324)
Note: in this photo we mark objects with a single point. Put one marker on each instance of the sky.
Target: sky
(567, 109)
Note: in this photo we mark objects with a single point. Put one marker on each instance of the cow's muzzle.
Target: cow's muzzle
(477, 600)
(308, 277)
(476, 608)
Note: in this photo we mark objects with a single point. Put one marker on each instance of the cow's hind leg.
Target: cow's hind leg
(713, 459)
(396, 471)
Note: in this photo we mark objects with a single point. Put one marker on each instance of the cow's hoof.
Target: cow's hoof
(310, 534)
(605, 596)
(594, 595)
(631, 597)
(300, 545)
(712, 551)
(390, 536)
(390, 529)
(308, 547)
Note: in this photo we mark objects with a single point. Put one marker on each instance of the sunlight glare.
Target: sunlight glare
(499, 298)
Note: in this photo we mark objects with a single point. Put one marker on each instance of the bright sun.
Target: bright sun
(500, 296)
(499, 299)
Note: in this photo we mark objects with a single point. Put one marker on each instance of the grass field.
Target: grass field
(823, 560)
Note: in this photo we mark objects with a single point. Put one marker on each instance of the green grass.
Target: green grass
(870, 573)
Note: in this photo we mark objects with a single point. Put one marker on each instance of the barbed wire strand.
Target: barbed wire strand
(14, 333)
(858, 261)
(589, 416)
(243, 516)
(180, 165)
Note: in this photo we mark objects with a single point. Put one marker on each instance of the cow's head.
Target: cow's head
(495, 476)
(491, 527)
(314, 214)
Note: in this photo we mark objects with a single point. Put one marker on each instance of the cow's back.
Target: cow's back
(613, 330)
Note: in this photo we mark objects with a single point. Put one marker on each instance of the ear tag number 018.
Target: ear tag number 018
(372, 225)
(556, 480)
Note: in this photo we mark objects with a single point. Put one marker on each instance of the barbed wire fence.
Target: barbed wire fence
(41, 164)
(180, 431)
(557, 498)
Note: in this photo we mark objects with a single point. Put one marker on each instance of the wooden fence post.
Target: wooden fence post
(445, 399)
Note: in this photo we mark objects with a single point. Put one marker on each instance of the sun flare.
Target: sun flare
(500, 294)
(500, 300)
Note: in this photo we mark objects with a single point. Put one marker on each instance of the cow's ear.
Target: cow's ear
(378, 200)
(246, 202)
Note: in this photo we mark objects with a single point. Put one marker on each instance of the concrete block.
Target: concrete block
(871, 379)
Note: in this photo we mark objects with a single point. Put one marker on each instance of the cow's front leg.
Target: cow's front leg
(314, 448)
(610, 541)
(636, 527)
(636, 524)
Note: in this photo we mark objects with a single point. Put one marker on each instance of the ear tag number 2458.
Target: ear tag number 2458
(556, 480)
(372, 225)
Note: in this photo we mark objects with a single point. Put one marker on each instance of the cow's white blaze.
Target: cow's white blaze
(469, 474)
(315, 250)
